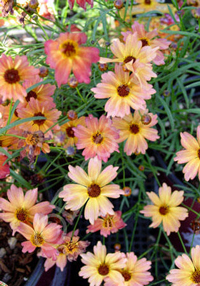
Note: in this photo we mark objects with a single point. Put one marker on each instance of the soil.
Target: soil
(15, 266)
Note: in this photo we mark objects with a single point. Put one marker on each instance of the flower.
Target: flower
(165, 209)
(68, 249)
(189, 269)
(147, 5)
(42, 235)
(22, 208)
(107, 224)
(12, 73)
(98, 137)
(66, 54)
(39, 108)
(124, 92)
(134, 273)
(4, 167)
(68, 131)
(101, 265)
(133, 57)
(148, 39)
(92, 188)
(190, 155)
(81, 3)
(134, 130)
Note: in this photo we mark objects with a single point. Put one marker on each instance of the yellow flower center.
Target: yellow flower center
(69, 49)
(134, 128)
(11, 76)
(21, 214)
(196, 276)
(70, 132)
(123, 90)
(31, 94)
(37, 239)
(107, 222)
(126, 275)
(129, 58)
(163, 210)
(94, 191)
(70, 247)
(41, 121)
(97, 138)
(32, 139)
(103, 269)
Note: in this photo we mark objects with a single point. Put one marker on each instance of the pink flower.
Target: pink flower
(42, 235)
(4, 168)
(98, 137)
(22, 208)
(107, 224)
(66, 54)
(148, 39)
(81, 3)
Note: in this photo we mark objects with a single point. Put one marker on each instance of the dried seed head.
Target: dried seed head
(72, 115)
(43, 72)
(72, 82)
(141, 168)
(127, 191)
(146, 119)
(118, 4)
(117, 247)
(166, 93)
(102, 67)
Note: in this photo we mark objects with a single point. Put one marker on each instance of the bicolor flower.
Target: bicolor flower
(166, 209)
(190, 155)
(91, 189)
(67, 54)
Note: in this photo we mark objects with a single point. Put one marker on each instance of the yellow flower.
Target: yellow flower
(165, 209)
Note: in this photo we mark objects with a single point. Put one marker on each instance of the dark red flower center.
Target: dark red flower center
(163, 210)
(198, 153)
(21, 214)
(196, 276)
(31, 94)
(11, 76)
(103, 269)
(144, 42)
(147, 2)
(126, 275)
(128, 59)
(40, 121)
(70, 132)
(134, 128)
(97, 138)
(94, 191)
(123, 90)
(69, 49)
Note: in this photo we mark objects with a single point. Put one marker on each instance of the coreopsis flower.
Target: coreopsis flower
(107, 224)
(4, 167)
(101, 265)
(124, 92)
(188, 272)
(42, 92)
(133, 57)
(22, 208)
(67, 129)
(148, 39)
(134, 273)
(190, 155)
(135, 131)
(81, 3)
(66, 54)
(97, 138)
(12, 73)
(41, 235)
(166, 209)
(69, 249)
(92, 188)
(39, 108)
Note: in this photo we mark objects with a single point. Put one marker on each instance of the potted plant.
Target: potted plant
(98, 115)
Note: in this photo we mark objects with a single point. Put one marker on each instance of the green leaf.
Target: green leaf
(20, 180)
